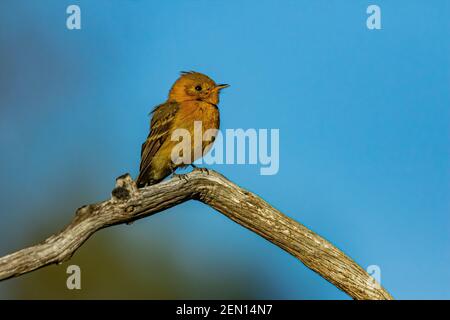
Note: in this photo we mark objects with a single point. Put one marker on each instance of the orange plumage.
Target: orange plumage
(193, 97)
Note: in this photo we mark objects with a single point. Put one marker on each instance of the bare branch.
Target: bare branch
(245, 208)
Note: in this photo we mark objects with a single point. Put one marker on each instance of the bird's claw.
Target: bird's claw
(180, 176)
(202, 170)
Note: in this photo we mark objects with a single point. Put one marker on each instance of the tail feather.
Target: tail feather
(148, 178)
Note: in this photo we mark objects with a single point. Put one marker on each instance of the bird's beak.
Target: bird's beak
(221, 86)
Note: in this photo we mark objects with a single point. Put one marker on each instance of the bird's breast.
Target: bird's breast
(192, 111)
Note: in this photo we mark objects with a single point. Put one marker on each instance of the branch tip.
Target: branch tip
(125, 188)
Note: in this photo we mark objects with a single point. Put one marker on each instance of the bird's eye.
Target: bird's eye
(198, 88)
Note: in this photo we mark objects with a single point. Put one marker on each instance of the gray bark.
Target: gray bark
(245, 208)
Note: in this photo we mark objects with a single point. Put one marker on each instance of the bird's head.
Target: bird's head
(195, 86)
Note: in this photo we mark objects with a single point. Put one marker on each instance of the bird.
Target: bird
(193, 97)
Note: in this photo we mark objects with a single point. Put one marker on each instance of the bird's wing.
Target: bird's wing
(162, 119)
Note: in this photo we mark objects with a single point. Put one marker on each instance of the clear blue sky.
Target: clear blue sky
(363, 118)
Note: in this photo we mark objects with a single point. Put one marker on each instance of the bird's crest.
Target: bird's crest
(188, 72)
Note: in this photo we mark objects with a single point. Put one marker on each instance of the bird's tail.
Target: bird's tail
(145, 180)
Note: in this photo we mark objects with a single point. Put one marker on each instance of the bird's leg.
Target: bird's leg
(173, 173)
(180, 176)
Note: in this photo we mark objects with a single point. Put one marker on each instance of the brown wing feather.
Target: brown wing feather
(162, 118)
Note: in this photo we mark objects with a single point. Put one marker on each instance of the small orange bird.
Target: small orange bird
(193, 97)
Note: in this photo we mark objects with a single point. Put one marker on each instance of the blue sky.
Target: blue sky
(363, 118)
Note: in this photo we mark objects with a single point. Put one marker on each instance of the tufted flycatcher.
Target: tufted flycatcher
(193, 97)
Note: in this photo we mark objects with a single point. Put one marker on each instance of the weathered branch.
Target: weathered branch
(129, 203)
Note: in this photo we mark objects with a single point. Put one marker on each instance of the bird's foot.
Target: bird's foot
(203, 170)
(181, 176)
